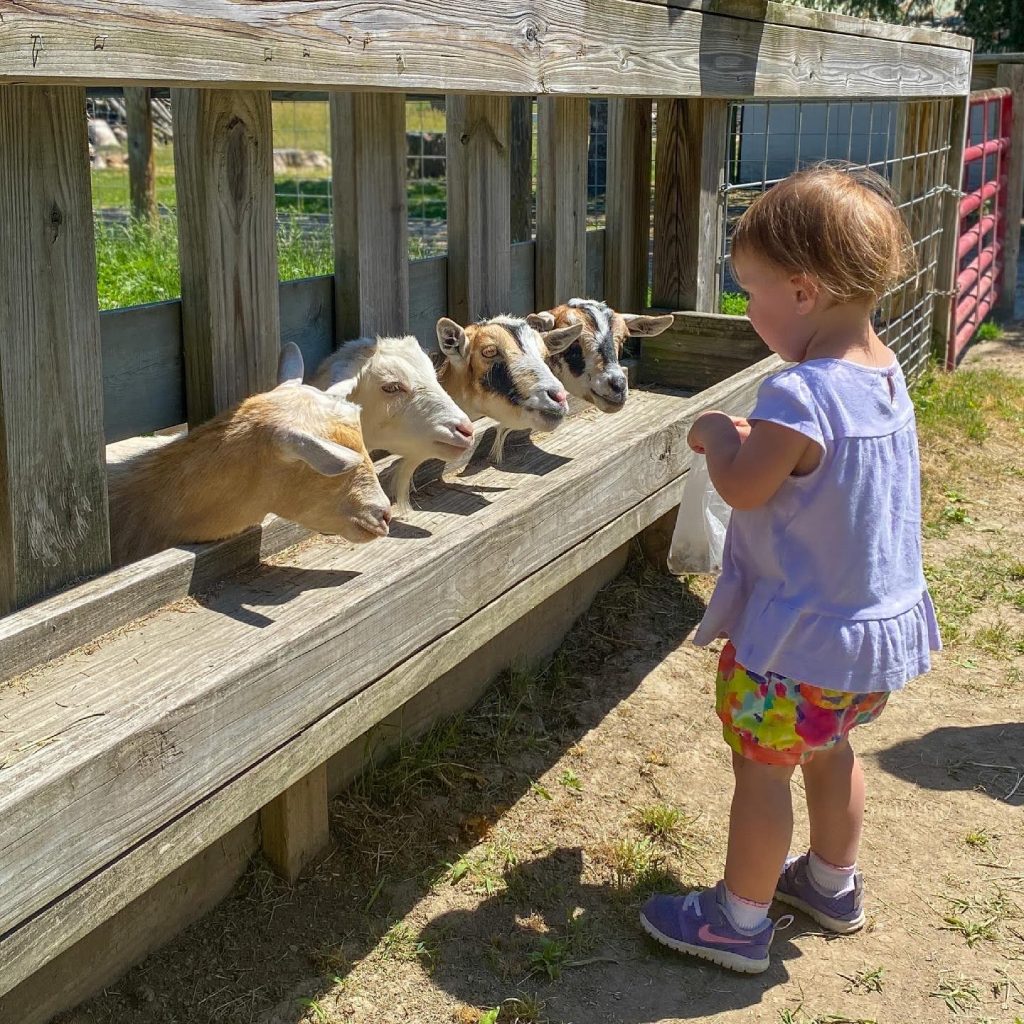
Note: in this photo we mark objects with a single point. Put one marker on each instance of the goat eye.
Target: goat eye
(392, 389)
(489, 351)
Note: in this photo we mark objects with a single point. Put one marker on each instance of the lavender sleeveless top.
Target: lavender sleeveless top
(824, 583)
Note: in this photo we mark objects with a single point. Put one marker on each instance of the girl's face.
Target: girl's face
(780, 304)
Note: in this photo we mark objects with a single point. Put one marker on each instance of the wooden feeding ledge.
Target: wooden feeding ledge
(161, 722)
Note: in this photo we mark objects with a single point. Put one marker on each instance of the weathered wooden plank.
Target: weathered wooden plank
(53, 495)
(628, 217)
(479, 210)
(550, 46)
(149, 732)
(1011, 76)
(371, 233)
(141, 163)
(354, 711)
(562, 137)
(295, 825)
(699, 350)
(223, 158)
(692, 147)
(521, 168)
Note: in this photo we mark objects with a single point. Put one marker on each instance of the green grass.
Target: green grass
(733, 303)
(989, 331)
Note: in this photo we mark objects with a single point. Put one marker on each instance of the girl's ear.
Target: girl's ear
(806, 292)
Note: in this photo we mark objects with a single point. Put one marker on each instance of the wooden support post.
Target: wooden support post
(371, 231)
(521, 170)
(562, 136)
(296, 827)
(479, 220)
(628, 221)
(1012, 76)
(141, 166)
(223, 156)
(689, 172)
(53, 492)
(946, 263)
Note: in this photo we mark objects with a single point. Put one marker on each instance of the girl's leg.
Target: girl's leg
(760, 829)
(834, 784)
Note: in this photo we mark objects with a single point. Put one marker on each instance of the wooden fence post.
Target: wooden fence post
(141, 166)
(223, 156)
(946, 263)
(521, 170)
(371, 231)
(53, 492)
(689, 172)
(1012, 77)
(479, 219)
(562, 136)
(628, 221)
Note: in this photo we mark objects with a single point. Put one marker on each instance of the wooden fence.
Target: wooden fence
(123, 759)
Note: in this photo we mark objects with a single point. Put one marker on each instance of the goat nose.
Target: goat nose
(465, 428)
(558, 395)
(385, 514)
(617, 384)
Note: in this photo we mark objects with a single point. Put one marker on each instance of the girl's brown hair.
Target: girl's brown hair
(833, 222)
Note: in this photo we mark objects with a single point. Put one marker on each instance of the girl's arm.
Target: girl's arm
(747, 473)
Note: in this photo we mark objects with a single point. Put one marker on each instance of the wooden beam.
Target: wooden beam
(354, 707)
(690, 169)
(223, 158)
(371, 257)
(628, 219)
(562, 137)
(479, 215)
(141, 164)
(521, 169)
(53, 494)
(295, 825)
(946, 263)
(1011, 76)
(676, 48)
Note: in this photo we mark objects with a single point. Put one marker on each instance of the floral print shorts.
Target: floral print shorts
(777, 720)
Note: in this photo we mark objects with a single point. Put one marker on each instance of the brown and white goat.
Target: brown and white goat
(294, 451)
(590, 368)
(498, 368)
(403, 408)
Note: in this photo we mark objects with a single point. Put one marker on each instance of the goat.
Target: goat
(294, 451)
(404, 409)
(497, 368)
(589, 369)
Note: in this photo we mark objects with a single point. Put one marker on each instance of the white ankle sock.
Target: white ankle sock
(831, 879)
(745, 914)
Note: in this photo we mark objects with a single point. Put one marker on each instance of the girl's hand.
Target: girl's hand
(714, 424)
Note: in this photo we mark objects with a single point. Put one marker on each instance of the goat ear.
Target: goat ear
(290, 368)
(451, 339)
(559, 340)
(643, 326)
(325, 457)
(541, 322)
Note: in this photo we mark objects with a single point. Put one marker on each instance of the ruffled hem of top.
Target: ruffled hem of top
(855, 656)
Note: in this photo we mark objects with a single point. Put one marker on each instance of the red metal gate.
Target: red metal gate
(982, 215)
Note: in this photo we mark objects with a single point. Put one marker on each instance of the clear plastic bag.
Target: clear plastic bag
(698, 539)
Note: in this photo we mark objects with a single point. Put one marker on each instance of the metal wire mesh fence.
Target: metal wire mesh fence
(906, 142)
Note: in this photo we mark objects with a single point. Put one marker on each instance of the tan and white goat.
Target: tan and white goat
(590, 369)
(294, 451)
(404, 409)
(497, 368)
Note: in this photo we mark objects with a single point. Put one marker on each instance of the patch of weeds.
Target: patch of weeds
(959, 994)
(570, 780)
(977, 919)
(662, 821)
(954, 511)
(801, 1016)
(733, 303)
(637, 865)
(1000, 640)
(319, 1013)
(539, 789)
(864, 981)
(486, 872)
(979, 839)
(989, 331)
(556, 953)
(522, 1009)
(401, 943)
(549, 958)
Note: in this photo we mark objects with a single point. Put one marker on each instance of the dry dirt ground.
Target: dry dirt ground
(493, 872)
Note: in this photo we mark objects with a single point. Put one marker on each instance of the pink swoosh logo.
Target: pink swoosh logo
(705, 934)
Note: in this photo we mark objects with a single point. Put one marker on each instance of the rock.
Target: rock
(101, 135)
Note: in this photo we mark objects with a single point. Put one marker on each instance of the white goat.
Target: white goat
(293, 451)
(405, 410)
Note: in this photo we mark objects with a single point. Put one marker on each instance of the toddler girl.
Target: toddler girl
(822, 596)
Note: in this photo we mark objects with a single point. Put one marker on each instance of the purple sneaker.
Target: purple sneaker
(841, 914)
(698, 924)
